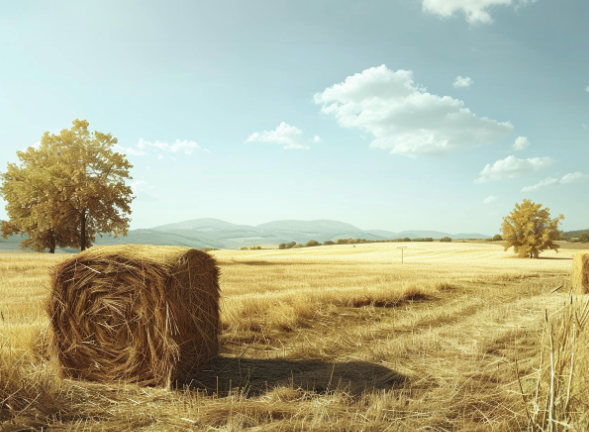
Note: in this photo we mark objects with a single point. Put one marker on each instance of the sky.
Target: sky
(395, 115)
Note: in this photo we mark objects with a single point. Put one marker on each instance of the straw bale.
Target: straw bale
(135, 313)
(581, 273)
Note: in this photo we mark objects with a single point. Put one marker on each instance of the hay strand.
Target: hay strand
(135, 313)
(581, 274)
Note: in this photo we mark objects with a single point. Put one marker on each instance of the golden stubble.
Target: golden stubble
(323, 338)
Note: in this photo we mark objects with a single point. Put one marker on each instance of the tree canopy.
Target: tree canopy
(530, 230)
(68, 190)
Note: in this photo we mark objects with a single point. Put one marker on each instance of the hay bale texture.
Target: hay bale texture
(135, 313)
(581, 274)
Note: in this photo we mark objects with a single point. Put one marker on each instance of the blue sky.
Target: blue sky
(398, 114)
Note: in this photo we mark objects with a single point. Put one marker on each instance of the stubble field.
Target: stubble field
(342, 338)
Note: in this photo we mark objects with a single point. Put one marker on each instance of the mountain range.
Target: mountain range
(215, 233)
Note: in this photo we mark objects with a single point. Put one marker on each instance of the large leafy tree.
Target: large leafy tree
(530, 230)
(68, 190)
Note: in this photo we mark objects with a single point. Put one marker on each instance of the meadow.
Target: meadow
(458, 337)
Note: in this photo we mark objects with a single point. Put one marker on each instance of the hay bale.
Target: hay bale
(581, 273)
(135, 313)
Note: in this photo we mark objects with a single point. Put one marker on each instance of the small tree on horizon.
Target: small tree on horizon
(530, 230)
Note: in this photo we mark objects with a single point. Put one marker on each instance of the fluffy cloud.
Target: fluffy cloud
(587, 89)
(512, 167)
(575, 177)
(129, 150)
(474, 10)
(520, 143)
(462, 82)
(549, 181)
(185, 146)
(404, 117)
(143, 147)
(136, 184)
(289, 137)
(490, 199)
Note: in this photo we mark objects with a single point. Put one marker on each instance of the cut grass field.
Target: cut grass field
(341, 338)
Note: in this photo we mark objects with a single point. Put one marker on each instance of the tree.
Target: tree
(68, 190)
(446, 239)
(530, 230)
(497, 237)
(584, 238)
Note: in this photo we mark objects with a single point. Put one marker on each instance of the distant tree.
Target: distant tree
(68, 190)
(584, 238)
(497, 237)
(446, 239)
(243, 248)
(425, 239)
(328, 242)
(311, 243)
(530, 230)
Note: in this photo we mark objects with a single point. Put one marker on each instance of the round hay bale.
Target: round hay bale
(135, 313)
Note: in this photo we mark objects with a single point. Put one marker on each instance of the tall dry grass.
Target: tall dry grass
(330, 338)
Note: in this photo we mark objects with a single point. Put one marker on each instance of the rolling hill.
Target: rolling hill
(216, 233)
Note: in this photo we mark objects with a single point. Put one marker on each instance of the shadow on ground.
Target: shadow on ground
(257, 376)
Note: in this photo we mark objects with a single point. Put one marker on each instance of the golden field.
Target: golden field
(460, 337)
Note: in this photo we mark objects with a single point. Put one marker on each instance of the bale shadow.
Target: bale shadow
(254, 377)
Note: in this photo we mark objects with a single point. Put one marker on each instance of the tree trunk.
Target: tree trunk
(52, 245)
(83, 231)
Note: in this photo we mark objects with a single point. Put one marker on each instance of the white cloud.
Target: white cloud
(549, 181)
(587, 89)
(290, 137)
(490, 199)
(575, 177)
(183, 146)
(520, 143)
(463, 82)
(129, 150)
(474, 10)
(405, 118)
(136, 184)
(512, 167)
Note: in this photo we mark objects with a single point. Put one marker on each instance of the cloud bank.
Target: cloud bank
(289, 137)
(512, 167)
(403, 117)
(475, 11)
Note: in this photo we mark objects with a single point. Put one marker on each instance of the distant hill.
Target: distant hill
(216, 233)
(319, 226)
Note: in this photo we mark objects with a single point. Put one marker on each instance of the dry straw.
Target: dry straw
(135, 313)
(581, 273)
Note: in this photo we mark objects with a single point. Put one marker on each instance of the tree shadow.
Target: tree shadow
(257, 376)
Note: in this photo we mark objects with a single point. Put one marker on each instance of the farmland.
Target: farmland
(339, 338)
